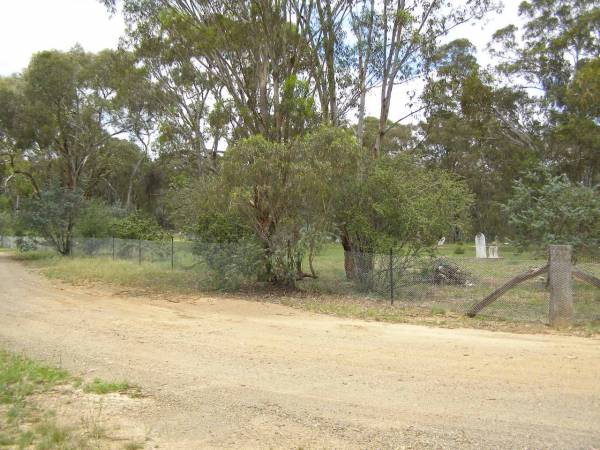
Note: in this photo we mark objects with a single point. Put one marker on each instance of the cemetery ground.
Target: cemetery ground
(217, 371)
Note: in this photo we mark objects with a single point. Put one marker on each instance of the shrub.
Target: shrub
(97, 220)
(139, 226)
(232, 264)
(547, 209)
(459, 249)
(52, 215)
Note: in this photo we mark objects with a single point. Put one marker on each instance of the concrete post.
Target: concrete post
(561, 290)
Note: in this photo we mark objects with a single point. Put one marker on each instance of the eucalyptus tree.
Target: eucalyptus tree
(481, 131)
(552, 53)
(410, 32)
(548, 209)
(249, 55)
(364, 29)
(192, 120)
(58, 119)
(67, 111)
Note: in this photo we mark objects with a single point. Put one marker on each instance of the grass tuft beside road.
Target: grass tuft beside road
(24, 424)
(100, 387)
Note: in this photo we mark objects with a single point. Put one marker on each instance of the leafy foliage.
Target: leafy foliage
(547, 209)
(52, 215)
(97, 219)
(138, 226)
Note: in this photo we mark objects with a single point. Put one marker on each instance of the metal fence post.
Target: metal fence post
(391, 275)
(560, 310)
(2, 241)
(113, 248)
(172, 252)
(139, 251)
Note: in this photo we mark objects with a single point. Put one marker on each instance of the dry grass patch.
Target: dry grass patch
(42, 407)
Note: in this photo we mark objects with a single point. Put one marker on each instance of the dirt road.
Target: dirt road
(233, 373)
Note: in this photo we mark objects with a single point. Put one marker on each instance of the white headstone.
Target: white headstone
(442, 241)
(493, 252)
(480, 249)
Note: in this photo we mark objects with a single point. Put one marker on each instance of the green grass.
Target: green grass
(99, 386)
(133, 446)
(147, 276)
(20, 377)
(36, 256)
(24, 425)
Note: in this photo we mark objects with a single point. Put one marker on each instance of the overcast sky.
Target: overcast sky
(28, 26)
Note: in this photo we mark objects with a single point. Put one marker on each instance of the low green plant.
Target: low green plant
(51, 436)
(459, 249)
(138, 226)
(438, 311)
(20, 377)
(98, 386)
(24, 425)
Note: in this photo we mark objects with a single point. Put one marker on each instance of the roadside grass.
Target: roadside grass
(98, 386)
(24, 424)
(147, 276)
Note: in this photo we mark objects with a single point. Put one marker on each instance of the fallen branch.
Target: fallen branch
(504, 288)
(582, 276)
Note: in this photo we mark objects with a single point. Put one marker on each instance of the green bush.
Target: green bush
(52, 214)
(97, 220)
(139, 226)
(546, 209)
(459, 249)
(232, 264)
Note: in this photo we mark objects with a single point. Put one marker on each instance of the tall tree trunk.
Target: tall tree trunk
(326, 19)
(134, 172)
(348, 257)
(364, 58)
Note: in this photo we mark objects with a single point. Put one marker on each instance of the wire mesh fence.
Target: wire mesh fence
(451, 282)
(586, 296)
(25, 243)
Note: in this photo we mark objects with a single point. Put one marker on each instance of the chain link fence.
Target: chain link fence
(586, 297)
(452, 282)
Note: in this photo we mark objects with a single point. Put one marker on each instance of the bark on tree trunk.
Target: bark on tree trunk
(348, 257)
(134, 172)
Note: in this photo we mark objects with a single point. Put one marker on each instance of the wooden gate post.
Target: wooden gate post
(560, 311)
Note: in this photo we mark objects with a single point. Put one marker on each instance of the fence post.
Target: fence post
(560, 311)
(113, 248)
(172, 252)
(391, 275)
(2, 241)
(139, 251)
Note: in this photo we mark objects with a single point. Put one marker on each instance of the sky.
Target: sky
(29, 26)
